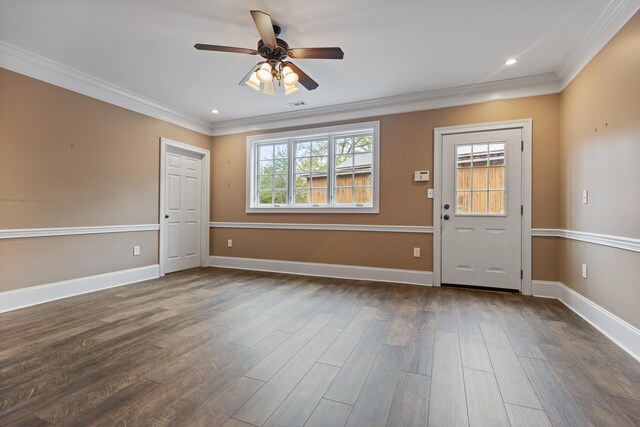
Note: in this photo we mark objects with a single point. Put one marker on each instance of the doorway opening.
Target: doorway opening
(184, 206)
(482, 205)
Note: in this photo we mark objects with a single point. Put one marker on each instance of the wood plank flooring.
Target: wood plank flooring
(212, 347)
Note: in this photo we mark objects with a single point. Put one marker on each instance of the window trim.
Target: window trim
(330, 131)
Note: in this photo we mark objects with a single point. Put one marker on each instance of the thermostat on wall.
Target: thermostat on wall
(421, 176)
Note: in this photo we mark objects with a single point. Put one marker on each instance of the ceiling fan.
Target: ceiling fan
(275, 51)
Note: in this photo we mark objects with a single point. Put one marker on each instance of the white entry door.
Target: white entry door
(183, 208)
(481, 209)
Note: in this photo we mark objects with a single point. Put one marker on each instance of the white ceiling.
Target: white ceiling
(391, 47)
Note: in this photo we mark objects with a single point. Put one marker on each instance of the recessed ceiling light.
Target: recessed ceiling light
(510, 61)
(214, 111)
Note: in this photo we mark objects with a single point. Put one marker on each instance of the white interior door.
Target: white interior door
(183, 208)
(481, 209)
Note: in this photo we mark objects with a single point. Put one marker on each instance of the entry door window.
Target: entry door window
(480, 179)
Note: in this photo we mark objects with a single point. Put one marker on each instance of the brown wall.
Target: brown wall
(600, 140)
(406, 145)
(67, 160)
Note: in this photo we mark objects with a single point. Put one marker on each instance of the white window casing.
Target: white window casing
(327, 202)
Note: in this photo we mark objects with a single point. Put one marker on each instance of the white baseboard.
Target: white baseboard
(545, 289)
(412, 277)
(20, 298)
(625, 335)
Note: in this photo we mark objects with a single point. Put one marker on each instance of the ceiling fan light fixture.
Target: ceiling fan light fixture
(274, 67)
(264, 73)
(289, 77)
(290, 89)
(268, 89)
(253, 82)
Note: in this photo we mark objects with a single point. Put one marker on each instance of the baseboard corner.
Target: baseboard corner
(622, 333)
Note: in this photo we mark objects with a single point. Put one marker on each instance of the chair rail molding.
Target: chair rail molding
(73, 231)
(619, 242)
(423, 229)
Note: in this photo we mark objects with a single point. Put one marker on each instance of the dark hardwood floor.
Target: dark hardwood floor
(210, 347)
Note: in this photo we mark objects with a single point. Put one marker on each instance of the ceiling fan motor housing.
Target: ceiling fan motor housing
(276, 53)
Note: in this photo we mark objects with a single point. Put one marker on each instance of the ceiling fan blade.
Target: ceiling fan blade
(316, 53)
(245, 78)
(217, 48)
(265, 27)
(303, 78)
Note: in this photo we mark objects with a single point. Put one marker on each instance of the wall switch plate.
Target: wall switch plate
(584, 271)
(585, 196)
(136, 250)
(430, 193)
(229, 243)
(419, 176)
(416, 252)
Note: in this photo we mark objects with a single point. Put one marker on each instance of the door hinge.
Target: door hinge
(521, 145)
(521, 209)
(522, 274)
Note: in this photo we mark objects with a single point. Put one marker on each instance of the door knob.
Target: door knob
(446, 206)
(446, 217)
(166, 216)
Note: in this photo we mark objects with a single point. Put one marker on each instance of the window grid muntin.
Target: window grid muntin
(487, 189)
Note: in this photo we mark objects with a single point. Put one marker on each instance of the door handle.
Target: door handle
(166, 216)
(446, 217)
(446, 206)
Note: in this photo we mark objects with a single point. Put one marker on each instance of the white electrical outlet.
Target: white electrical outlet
(416, 252)
(136, 250)
(229, 243)
(585, 197)
(584, 271)
(430, 193)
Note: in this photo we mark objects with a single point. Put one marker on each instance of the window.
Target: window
(273, 173)
(480, 179)
(332, 169)
(311, 172)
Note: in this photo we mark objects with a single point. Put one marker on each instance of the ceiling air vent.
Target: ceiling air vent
(296, 104)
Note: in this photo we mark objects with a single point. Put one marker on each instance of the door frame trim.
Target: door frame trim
(438, 137)
(166, 143)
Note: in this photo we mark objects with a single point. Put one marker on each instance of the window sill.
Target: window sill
(315, 210)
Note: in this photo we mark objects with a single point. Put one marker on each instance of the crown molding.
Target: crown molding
(613, 17)
(21, 61)
(541, 84)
